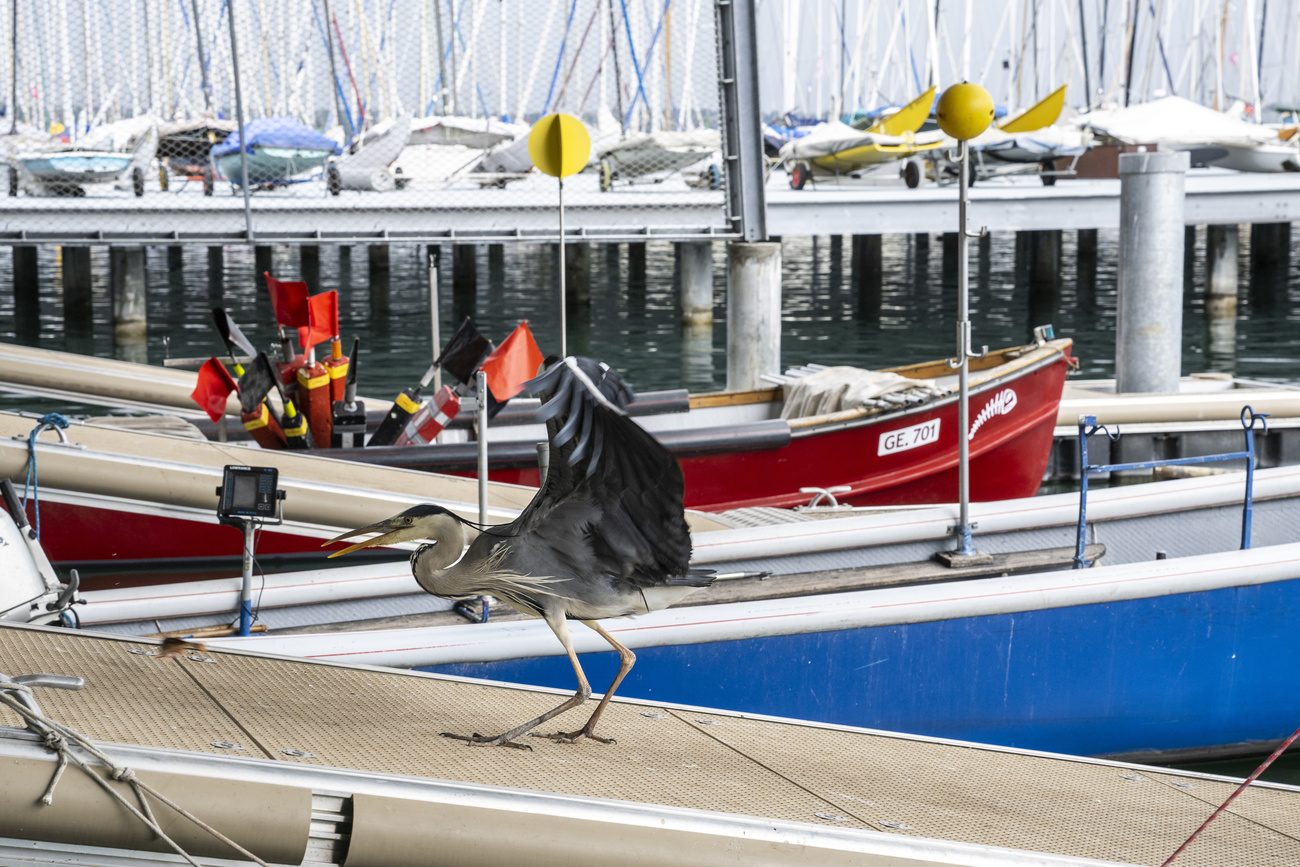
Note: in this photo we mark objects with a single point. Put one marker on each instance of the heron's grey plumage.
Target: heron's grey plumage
(605, 536)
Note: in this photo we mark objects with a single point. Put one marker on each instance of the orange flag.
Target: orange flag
(289, 299)
(512, 363)
(323, 316)
(215, 385)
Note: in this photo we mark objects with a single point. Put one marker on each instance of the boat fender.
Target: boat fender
(297, 433)
(337, 367)
(314, 398)
(404, 406)
(431, 418)
(263, 427)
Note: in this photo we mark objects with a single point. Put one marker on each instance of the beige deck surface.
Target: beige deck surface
(390, 722)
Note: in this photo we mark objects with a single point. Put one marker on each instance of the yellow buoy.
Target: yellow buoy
(965, 110)
(559, 145)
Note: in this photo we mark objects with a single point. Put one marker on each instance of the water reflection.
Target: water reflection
(833, 311)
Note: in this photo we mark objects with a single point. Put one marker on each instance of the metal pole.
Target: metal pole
(966, 547)
(482, 448)
(246, 591)
(742, 138)
(564, 319)
(13, 66)
(433, 316)
(203, 64)
(239, 119)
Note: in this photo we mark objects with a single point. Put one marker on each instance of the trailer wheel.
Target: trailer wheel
(799, 174)
(209, 180)
(162, 176)
(912, 174)
(606, 176)
(715, 177)
(1048, 180)
(13, 181)
(137, 181)
(334, 180)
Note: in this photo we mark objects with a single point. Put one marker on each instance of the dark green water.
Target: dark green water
(1285, 770)
(632, 322)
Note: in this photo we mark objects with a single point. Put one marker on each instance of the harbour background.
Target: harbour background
(633, 322)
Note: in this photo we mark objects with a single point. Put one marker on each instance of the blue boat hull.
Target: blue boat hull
(1185, 671)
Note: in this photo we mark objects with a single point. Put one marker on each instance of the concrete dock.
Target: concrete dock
(681, 784)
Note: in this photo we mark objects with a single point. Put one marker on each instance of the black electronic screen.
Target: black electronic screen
(248, 492)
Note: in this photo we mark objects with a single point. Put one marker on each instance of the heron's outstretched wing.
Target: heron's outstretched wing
(612, 491)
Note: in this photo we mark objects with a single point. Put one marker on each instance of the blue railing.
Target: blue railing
(1088, 426)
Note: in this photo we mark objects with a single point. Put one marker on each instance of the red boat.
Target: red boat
(737, 451)
(119, 495)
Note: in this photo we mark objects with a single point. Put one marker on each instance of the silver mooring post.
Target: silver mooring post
(246, 590)
(482, 448)
(965, 546)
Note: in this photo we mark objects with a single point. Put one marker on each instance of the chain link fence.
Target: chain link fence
(364, 119)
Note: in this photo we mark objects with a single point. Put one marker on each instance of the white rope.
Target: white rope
(57, 738)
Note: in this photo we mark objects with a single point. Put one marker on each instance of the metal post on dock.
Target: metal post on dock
(481, 379)
(435, 322)
(239, 119)
(964, 111)
(1149, 328)
(246, 589)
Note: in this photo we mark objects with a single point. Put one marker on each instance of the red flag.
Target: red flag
(512, 363)
(214, 386)
(323, 314)
(289, 298)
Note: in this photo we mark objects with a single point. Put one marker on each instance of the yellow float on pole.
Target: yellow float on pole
(559, 146)
(964, 111)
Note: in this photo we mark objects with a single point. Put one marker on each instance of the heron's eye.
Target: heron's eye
(406, 520)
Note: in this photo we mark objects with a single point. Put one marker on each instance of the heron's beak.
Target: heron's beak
(391, 531)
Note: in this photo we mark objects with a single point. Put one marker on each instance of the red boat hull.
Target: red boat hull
(902, 457)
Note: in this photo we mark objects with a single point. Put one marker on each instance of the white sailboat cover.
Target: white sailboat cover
(832, 137)
(1175, 121)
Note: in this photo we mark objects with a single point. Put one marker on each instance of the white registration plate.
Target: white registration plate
(905, 438)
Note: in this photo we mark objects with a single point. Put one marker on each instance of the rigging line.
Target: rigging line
(1160, 41)
(596, 75)
(338, 85)
(636, 66)
(649, 53)
(564, 42)
(361, 107)
(578, 55)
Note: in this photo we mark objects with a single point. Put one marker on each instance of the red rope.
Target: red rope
(1261, 769)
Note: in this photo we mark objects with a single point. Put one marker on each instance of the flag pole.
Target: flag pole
(564, 318)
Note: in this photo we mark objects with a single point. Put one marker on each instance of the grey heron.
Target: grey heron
(605, 536)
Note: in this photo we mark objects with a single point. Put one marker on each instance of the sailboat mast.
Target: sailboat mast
(203, 63)
(1083, 39)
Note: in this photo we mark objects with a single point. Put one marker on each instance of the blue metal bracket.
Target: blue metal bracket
(1088, 427)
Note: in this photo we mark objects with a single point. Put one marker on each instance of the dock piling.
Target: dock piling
(309, 256)
(1270, 259)
(1221, 271)
(636, 257)
(78, 304)
(577, 274)
(464, 280)
(696, 261)
(127, 286)
(868, 275)
(753, 313)
(380, 278)
(1148, 343)
(262, 263)
(27, 293)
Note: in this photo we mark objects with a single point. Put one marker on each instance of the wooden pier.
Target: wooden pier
(344, 764)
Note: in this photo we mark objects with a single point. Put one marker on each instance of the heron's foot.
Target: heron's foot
(478, 740)
(573, 737)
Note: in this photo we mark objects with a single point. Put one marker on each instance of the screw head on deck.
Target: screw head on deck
(965, 110)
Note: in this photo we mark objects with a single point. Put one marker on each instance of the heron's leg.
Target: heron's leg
(560, 627)
(627, 660)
